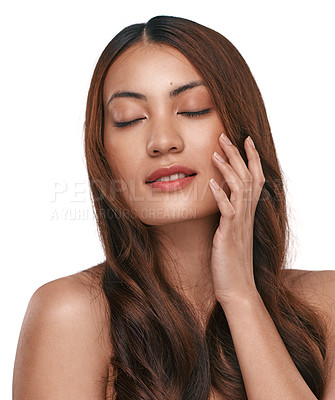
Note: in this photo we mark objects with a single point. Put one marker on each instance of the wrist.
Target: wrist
(243, 298)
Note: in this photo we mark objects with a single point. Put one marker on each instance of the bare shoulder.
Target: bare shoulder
(316, 287)
(65, 341)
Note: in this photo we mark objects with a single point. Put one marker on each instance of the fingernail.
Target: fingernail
(214, 184)
(225, 139)
(250, 141)
(218, 157)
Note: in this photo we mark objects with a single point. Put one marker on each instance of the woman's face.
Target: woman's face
(159, 114)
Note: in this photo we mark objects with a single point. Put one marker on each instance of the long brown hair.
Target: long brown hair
(159, 351)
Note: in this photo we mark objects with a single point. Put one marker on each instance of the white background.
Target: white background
(48, 52)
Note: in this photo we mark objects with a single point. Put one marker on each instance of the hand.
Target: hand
(232, 251)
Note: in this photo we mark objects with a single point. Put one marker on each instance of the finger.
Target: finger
(226, 208)
(236, 161)
(255, 168)
(241, 194)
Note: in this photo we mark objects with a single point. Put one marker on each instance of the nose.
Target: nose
(164, 138)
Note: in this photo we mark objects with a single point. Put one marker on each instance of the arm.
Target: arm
(62, 351)
(267, 369)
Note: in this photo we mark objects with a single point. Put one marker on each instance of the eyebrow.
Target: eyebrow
(188, 86)
(173, 93)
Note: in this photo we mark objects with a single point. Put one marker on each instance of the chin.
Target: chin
(167, 215)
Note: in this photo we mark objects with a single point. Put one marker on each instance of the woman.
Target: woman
(194, 300)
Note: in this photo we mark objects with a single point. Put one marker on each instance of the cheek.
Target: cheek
(207, 136)
(120, 154)
(120, 164)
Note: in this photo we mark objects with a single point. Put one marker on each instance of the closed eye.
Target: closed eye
(127, 123)
(195, 113)
(186, 113)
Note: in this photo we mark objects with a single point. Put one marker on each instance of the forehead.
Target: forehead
(148, 67)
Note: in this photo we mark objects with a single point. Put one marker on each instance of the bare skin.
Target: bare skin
(64, 349)
(65, 335)
(164, 135)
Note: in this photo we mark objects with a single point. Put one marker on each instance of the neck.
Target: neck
(189, 243)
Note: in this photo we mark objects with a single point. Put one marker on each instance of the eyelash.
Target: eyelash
(196, 113)
(127, 123)
(186, 113)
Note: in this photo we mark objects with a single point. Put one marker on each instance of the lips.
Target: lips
(174, 169)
